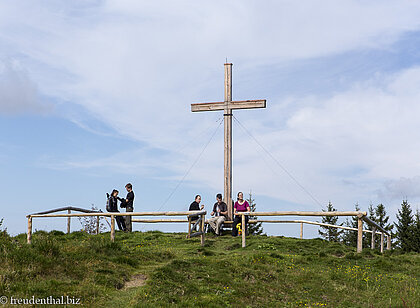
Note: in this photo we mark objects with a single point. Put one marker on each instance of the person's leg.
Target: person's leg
(219, 221)
(235, 222)
(128, 220)
(122, 222)
(245, 228)
(118, 219)
(212, 223)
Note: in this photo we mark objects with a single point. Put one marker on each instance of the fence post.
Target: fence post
(359, 234)
(29, 238)
(68, 222)
(388, 244)
(301, 230)
(202, 229)
(112, 228)
(372, 244)
(243, 231)
(382, 242)
(97, 224)
(189, 227)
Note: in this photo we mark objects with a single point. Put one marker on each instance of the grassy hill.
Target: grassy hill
(154, 269)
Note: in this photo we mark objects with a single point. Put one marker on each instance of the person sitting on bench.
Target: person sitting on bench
(219, 213)
(240, 206)
(195, 206)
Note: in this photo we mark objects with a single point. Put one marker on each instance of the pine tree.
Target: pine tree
(416, 234)
(331, 234)
(349, 236)
(367, 239)
(382, 218)
(405, 227)
(254, 229)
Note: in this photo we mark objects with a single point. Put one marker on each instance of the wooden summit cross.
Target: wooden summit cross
(228, 105)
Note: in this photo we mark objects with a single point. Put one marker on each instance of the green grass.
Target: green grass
(269, 272)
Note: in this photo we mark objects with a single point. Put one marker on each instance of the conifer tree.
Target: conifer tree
(254, 229)
(367, 240)
(382, 218)
(405, 227)
(416, 233)
(332, 234)
(349, 236)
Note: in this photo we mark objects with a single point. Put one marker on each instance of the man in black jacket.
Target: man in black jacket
(129, 205)
(219, 212)
(195, 206)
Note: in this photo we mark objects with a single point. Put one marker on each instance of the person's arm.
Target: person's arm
(202, 207)
(130, 196)
(225, 212)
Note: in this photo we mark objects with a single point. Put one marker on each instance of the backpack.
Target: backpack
(108, 205)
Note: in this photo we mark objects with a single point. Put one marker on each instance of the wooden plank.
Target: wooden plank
(243, 232)
(227, 188)
(158, 220)
(195, 214)
(302, 213)
(97, 224)
(77, 209)
(388, 244)
(202, 229)
(29, 235)
(217, 106)
(68, 222)
(189, 227)
(372, 243)
(184, 213)
(382, 242)
(195, 234)
(112, 228)
(359, 235)
(301, 230)
(374, 224)
(308, 222)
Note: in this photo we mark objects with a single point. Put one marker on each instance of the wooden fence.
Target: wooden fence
(361, 216)
(112, 215)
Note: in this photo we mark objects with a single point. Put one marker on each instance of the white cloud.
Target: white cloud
(18, 93)
(401, 188)
(138, 65)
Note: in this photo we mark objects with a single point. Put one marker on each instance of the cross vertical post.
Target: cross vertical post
(228, 139)
(228, 106)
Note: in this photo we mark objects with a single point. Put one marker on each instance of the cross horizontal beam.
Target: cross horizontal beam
(250, 104)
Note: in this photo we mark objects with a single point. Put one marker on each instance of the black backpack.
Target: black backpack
(108, 205)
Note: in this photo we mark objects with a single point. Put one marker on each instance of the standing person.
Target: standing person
(240, 206)
(113, 208)
(195, 206)
(128, 203)
(219, 212)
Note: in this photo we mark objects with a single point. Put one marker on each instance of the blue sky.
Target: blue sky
(95, 94)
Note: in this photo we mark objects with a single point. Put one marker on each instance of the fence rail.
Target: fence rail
(30, 217)
(361, 216)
